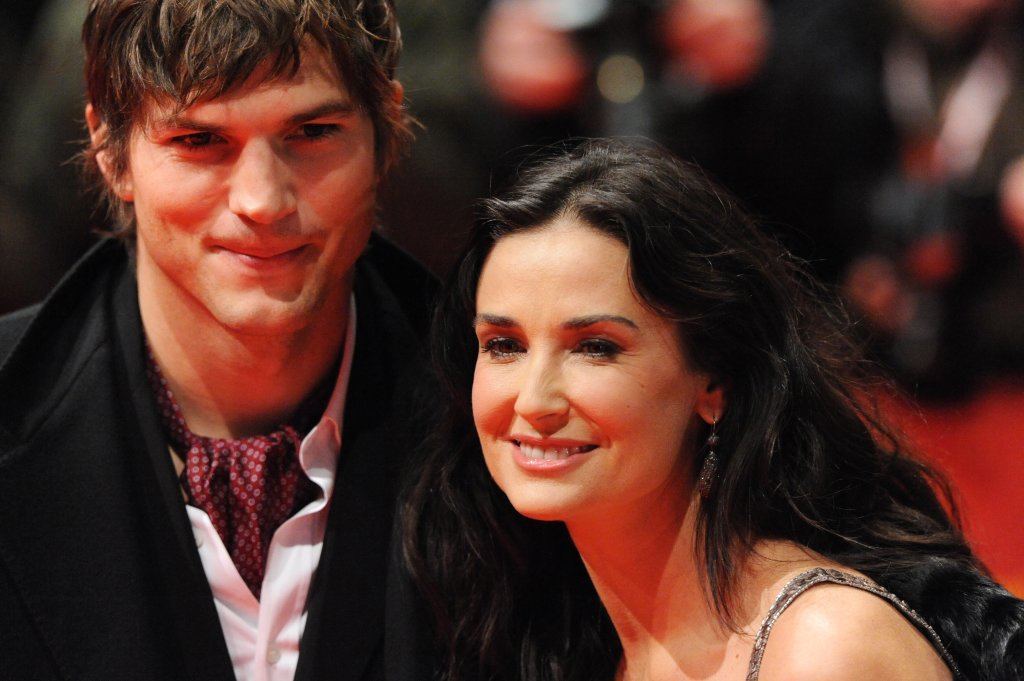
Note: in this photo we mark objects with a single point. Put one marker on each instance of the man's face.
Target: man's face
(252, 207)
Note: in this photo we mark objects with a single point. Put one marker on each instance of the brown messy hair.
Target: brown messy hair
(193, 50)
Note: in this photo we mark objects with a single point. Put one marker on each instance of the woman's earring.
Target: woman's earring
(710, 467)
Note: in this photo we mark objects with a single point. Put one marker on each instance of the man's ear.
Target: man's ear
(397, 92)
(121, 186)
(711, 401)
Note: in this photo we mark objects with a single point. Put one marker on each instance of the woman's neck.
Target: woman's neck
(642, 563)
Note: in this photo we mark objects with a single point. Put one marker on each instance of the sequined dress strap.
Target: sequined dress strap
(805, 580)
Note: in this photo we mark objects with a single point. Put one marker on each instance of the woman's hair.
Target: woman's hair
(802, 455)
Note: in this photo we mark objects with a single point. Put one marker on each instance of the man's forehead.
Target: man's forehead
(315, 76)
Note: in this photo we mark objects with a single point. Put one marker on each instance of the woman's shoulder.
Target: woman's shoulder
(823, 621)
(836, 632)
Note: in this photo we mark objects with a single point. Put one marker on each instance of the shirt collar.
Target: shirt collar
(318, 454)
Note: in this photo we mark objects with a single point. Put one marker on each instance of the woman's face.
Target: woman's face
(582, 398)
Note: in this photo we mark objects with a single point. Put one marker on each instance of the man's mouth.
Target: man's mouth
(265, 260)
(257, 253)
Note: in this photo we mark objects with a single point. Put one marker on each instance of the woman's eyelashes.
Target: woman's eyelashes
(502, 347)
(506, 348)
(600, 348)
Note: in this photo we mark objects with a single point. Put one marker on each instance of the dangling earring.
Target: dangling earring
(710, 467)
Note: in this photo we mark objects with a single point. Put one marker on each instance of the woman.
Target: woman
(626, 354)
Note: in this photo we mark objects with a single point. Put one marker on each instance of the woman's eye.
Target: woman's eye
(598, 347)
(317, 131)
(502, 348)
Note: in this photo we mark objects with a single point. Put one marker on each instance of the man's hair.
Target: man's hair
(192, 50)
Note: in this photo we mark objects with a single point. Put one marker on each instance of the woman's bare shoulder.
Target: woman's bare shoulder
(835, 632)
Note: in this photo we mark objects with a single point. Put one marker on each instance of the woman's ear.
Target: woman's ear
(120, 185)
(711, 401)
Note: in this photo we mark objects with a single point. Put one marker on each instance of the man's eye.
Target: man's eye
(317, 131)
(196, 140)
(598, 347)
(502, 348)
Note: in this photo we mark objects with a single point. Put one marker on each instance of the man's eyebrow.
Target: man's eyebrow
(183, 122)
(590, 320)
(494, 320)
(337, 107)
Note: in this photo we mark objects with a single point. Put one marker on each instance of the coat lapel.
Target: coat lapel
(87, 539)
(191, 617)
(344, 634)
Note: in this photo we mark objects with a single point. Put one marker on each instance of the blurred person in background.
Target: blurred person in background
(684, 72)
(949, 79)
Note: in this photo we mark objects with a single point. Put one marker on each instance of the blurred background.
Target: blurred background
(881, 140)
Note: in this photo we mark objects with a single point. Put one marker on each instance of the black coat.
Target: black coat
(99, 574)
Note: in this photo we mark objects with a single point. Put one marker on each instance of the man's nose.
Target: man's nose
(542, 399)
(261, 184)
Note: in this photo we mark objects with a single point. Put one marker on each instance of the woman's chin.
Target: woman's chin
(544, 509)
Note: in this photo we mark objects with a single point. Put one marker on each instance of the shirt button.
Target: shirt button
(199, 542)
(273, 656)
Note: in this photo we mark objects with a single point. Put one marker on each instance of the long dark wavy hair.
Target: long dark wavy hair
(802, 455)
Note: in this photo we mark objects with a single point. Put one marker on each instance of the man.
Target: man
(202, 428)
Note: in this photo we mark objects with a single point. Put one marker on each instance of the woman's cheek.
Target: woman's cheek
(605, 399)
(491, 399)
(492, 413)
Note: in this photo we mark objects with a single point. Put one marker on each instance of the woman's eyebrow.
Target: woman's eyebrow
(590, 320)
(494, 320)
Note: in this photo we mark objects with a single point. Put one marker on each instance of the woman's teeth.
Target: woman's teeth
(552, 453)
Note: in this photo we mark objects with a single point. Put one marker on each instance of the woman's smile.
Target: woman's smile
(548, 457)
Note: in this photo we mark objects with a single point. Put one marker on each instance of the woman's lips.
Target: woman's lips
(549, 457)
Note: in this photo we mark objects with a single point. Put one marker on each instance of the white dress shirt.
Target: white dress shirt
(263, 635)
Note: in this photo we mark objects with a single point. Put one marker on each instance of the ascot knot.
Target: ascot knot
(247, 486)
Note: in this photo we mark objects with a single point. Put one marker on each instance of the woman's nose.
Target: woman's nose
(542, 400)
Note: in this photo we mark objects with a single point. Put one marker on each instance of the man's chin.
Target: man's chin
(264, 318)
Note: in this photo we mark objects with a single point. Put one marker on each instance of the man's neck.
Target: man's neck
(230, 384)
